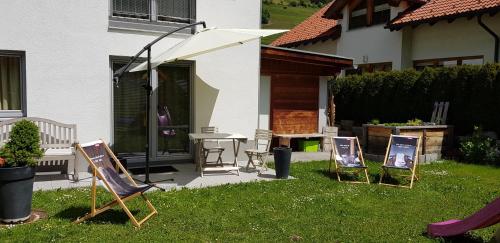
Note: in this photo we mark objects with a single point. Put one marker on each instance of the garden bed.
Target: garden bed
(436, 140)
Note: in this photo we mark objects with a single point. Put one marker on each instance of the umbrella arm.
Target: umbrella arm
(117, 75)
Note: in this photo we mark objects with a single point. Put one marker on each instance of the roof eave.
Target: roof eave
(415, 23)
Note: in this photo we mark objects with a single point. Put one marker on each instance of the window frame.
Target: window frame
(152, 24)
(6, 114)
(436, 62)
(369, 14)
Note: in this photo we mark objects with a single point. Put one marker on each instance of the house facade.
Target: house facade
(395, 35)
(57, 58)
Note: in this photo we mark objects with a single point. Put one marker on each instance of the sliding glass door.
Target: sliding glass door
(173, 111)
(170, 114)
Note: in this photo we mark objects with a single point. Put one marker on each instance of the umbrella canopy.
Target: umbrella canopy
(204, 41)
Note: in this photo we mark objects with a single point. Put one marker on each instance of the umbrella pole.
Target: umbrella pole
(148, 87)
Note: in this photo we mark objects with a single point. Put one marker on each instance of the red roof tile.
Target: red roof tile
(312, 28)
(442, 9)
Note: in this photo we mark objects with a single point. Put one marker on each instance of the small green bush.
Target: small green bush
(266, 16)
(23, 147)
(479, 149)
(375, 122)
(293, 3)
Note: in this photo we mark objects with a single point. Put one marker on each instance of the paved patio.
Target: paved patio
(185, 177)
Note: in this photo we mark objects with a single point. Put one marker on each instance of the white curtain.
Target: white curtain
(10, 83)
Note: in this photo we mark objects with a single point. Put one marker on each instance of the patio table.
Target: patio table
(198, 141)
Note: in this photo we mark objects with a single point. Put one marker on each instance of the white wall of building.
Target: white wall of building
(68, 47)
(462, 37)
(264, 102)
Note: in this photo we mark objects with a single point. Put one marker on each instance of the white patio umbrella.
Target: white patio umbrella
(205, 41)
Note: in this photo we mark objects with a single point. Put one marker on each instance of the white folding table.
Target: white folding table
(198, 141)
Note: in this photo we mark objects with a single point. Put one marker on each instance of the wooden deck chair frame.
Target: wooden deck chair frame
(414, 170)
(339, 168)
(94, 211)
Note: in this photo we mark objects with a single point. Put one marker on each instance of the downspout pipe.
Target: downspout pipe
(497, 39)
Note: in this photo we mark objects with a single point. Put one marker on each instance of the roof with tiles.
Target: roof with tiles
(313, 28)
(435, 10)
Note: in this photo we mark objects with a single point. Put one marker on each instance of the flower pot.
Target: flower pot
(16, 192)
(282, 158)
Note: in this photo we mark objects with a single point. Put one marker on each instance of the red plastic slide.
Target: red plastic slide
(487, 216)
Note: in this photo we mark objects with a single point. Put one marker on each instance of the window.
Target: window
(370, 68)
(369, 12)
(11, 84)
(419, 65)
(358, 16)
(131, 8)
(154, 10)
(375, 67)
(381, 12)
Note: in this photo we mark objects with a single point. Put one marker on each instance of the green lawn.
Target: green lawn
(285, 18)
(313, 208)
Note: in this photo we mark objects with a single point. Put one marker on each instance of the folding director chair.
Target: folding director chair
(100, 158)
(347, 156)
(402, 154)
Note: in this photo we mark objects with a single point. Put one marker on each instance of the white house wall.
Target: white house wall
(462, 37)
(68, 48)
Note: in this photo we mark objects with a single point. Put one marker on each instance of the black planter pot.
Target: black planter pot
(282, 158)
(16, 192)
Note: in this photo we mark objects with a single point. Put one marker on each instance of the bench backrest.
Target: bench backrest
(52, 134)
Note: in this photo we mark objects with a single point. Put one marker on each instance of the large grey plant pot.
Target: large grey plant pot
(16, 192)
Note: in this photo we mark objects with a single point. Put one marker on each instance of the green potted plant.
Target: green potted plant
(18, 159)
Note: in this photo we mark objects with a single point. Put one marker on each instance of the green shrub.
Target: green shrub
(374, 122)
(266, 16)
(293, 3)
(479, 149)
(23, 147)
(397, 96)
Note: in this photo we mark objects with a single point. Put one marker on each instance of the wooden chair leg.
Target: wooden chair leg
(381, 176)
(250, 160)
(219, 159)
(367, 178)
(263, 160)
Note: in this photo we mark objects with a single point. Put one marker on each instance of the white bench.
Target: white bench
(57, 140)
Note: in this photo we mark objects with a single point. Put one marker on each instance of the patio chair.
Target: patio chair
(165, 120)
(347, 156)
(260, 153)
(402, 154)
(100, 158)
(207, 150)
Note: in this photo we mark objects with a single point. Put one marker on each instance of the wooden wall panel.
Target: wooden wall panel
(294, 104)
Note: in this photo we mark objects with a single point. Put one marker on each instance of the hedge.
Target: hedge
(398, 96)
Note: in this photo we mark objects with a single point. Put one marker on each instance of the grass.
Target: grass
(285, 18)
(313, 208)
